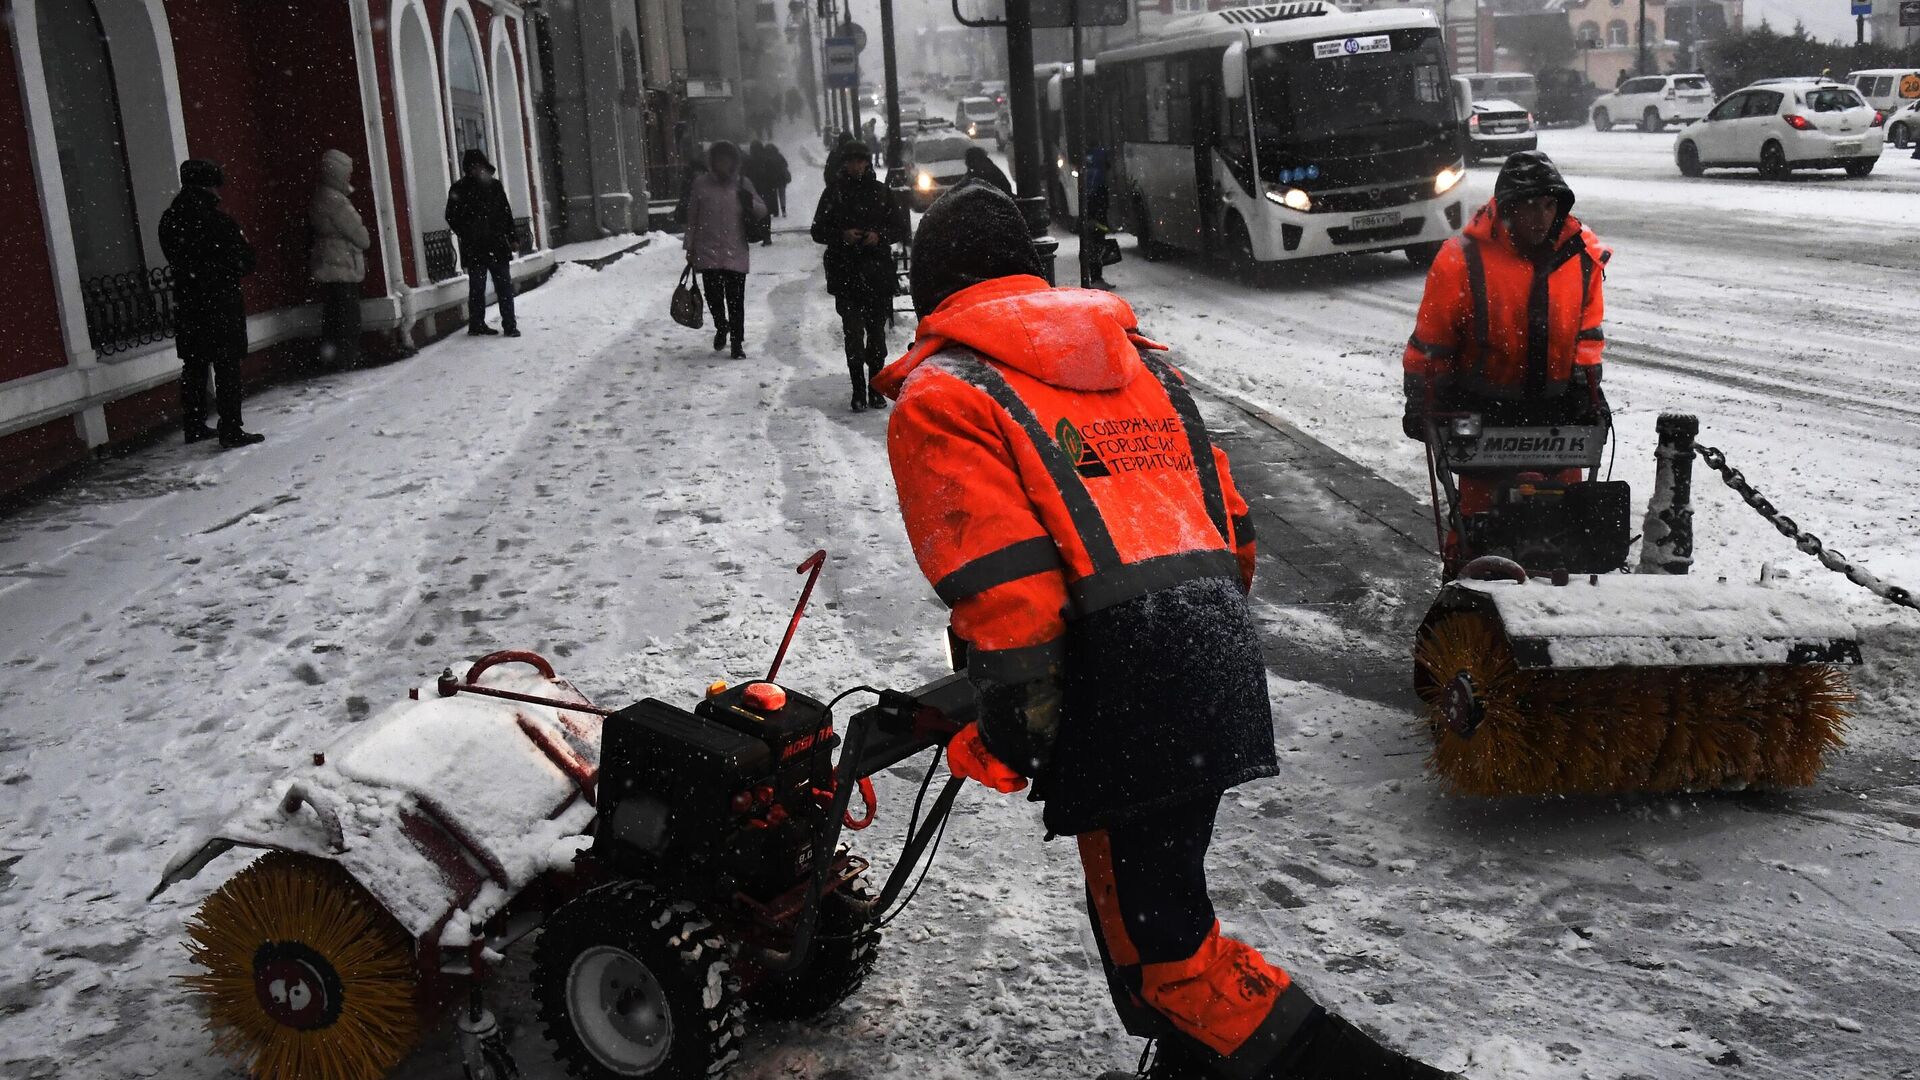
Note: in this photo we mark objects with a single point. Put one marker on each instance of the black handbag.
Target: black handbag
(686, 301)
(759, 229)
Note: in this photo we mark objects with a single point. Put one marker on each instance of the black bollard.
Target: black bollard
(1666, 545)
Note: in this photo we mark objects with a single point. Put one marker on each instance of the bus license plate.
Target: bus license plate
(1377, 221)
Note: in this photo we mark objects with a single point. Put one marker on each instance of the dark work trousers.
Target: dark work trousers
(225, 373)
(863, 324)
(1171, 972)
(727, 299)
(502, 274)
(339, 324)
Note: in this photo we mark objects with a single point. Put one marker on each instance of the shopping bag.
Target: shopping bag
(686, 301)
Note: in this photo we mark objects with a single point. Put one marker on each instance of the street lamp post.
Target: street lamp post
(1640, 67)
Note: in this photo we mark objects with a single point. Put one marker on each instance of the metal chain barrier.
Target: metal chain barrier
(1803, 540)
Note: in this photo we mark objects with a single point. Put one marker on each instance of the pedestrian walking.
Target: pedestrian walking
(870, 134)
(208, 254)
(478, 214)
(1101, 596)
(981, 167)
(754, 168)
(859, 222)
(338, 259)
(782, 174)
(719, 206)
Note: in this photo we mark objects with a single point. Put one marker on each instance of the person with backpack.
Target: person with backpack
(859, 222)
(724, 215)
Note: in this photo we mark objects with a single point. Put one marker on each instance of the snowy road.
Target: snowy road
(182, 625)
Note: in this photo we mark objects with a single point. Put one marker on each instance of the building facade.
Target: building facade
(100, 100)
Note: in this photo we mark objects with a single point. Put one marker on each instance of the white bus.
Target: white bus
(1059, 108)
(1287, 131)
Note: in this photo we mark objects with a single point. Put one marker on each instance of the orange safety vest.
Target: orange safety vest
(1495, 324)
(1050, 465)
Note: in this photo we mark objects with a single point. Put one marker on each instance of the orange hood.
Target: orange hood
(1487, 228)
(1076, 339)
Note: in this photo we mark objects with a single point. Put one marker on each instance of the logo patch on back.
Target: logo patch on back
(1086, 461)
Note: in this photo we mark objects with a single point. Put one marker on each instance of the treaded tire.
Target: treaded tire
(1602, 120)
(1773, 162)
(1861, 166)
(1650, 121)
(1897, 134)
(1688, 157)
(1237, 255)
(846, 945)
(669, 962)
(1422, 255)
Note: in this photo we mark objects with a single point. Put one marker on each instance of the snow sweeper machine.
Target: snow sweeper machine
(684, 868)
(1548, 669)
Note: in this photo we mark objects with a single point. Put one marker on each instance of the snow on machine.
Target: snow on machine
(683, 867)
(1547, 669)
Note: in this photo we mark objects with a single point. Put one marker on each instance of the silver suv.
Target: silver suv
(1654, 101)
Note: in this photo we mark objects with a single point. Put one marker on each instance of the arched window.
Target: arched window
(1589, 33)
(90, 139)
(1617, 32)
(1649, 30)
(513, 136)
(421, 136)
(466, 90)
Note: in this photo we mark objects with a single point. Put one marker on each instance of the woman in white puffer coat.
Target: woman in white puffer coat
(338, 261)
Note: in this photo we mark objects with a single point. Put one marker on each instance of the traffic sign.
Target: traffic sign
(1862, 8)
(857, 32)
(1054, 14)
(1910, 15)
(840, 63)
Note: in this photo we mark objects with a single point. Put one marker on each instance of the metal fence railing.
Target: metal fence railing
(441, 261)
(128, 310)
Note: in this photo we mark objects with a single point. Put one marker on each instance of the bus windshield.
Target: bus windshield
(1349, 99)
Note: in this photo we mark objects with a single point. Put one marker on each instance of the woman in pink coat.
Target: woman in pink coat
(719, 205)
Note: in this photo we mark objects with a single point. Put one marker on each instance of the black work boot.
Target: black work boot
(875, 399)
(719, 338)
(859, 388)
(1170, 1062)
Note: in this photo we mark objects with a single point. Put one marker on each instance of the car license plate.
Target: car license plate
(1846, 148)
(1377, 221)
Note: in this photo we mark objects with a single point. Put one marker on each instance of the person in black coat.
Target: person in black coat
(781, 174)
(480, 218)
(981, 167)
(859, 222)
(208, 255)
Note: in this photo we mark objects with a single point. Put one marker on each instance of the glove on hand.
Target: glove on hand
(1414, 422)
(969, 758)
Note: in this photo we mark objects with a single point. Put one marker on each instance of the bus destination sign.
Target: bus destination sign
(1353, 46)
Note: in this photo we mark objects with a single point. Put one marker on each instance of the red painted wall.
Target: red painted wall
(30, 337)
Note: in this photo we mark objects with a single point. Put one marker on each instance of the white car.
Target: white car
(1782, 126)
(912, 108)
(937, 160)
(979, 117)
(1903, 125)
(1498, 128)
(1653, 102)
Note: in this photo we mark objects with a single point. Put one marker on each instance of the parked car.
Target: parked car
(1654, 101)
(912, 108)
(1566, 97)
(1903, 126)
(1515, 86)
(1887, 89)
(979, 117)
(936, 161)
(1778, 127)
(1498, 128)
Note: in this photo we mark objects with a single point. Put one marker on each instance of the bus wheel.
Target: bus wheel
(1423, 254)
(1238, 250)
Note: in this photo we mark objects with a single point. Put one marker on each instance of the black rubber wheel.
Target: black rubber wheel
(1650, 120)
(1897, 134)
(1861, 166)
(630, 984)
(845, 946)
(1773, 162)
(1237, 251)
(1602, 121)
(1689, 158)
(1422, 255)
(1143, 229)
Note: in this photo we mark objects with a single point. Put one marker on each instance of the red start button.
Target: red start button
(766, 697)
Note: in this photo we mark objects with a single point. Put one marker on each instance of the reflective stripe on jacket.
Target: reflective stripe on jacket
(1495, 324)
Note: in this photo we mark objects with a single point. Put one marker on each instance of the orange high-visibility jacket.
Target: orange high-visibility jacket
(1050, 465)
(1497, 325)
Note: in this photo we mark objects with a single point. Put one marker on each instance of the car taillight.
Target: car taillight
(1879, 118)
(1798, 122)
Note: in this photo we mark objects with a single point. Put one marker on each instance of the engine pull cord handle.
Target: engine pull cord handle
(873, 810)
(812, 569)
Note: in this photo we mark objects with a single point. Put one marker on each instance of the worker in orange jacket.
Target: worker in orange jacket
(1066, 501)
(1510, 323)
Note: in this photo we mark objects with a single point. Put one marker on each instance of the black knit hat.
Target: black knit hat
(199, 172)
(1527, 174)
(973, 233)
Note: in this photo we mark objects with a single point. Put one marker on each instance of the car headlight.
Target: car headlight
(1448, 179)
(1292, 198)
(925, 182)
(1060, 163)
(972, 130)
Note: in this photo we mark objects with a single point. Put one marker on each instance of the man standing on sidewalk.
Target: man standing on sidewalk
(1067, 502)
(209, 255)
(480, 218)
(859, 223)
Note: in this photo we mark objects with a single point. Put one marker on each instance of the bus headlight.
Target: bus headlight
(925, 182)
(1292, 198)
(1448, 179)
